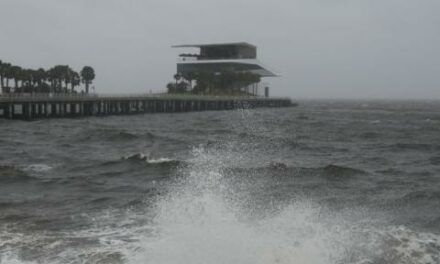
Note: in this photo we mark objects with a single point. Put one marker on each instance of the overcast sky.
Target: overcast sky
(322, 48)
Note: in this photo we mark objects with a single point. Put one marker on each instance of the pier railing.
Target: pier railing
(20, 97)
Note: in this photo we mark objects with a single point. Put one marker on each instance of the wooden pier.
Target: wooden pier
(30, 107)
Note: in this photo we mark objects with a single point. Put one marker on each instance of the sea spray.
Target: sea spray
(201, 221)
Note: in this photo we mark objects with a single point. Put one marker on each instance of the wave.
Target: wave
(331, 170)
(38, 168)
(302, 117)
(11, 258)
(435, 223)
(413, 146)
(335, 170)
(194, 131)
(10, 173)
(123, 136)
(370, 135)
(421, 196)
(152, 161)
(435, 160)
(131, 165)
(200, 220)
(399, 244)
(114, 135)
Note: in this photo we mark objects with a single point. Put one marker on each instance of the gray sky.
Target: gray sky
(322, 48)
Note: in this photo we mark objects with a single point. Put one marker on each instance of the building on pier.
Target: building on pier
(235, 57)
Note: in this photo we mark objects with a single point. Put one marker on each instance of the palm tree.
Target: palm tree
(206, 82)
(53, 78)
(57, 75)
(16, 75)
(190, 76)
(60, 74)
(7, 73)
(1, 75)
(26, 80)
(171, 87)
(75, 80)
(60, 77)
(87, 76)
(39, 78)
(177, 77)
(66, 76)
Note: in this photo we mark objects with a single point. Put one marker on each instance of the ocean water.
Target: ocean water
(327, 182)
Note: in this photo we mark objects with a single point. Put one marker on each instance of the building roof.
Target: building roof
(244, 44)
(251, 65)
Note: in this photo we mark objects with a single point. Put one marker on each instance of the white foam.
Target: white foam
(159, 160)
(201, 221)
(198, 222)
(10, 258)
(39, 168)
(149, 159)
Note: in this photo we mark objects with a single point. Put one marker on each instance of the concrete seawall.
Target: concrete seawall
(32, 107)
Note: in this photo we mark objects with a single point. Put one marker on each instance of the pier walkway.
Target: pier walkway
(37, 106)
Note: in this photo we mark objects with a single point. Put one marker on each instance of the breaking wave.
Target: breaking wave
(10, 173)
(152, 161)
(113, 135)
(201, 220)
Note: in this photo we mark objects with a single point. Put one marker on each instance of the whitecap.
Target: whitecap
(39, 168)
(159, 160)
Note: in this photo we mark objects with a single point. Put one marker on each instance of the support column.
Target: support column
(62, 109)
(107, 107)
(53, 109)
(27, 111)
(146, 106)
(40, 109)
(5, 111)
(9, 111)
(81, 109)
(46, 109)
(95, 108)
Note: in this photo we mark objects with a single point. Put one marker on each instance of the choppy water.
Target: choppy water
(326, 182)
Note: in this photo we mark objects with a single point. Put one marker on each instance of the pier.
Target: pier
(39, 106)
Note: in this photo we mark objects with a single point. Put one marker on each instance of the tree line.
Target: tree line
(224, 82)
(58, 79)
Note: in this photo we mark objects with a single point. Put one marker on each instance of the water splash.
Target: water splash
(201, 221)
